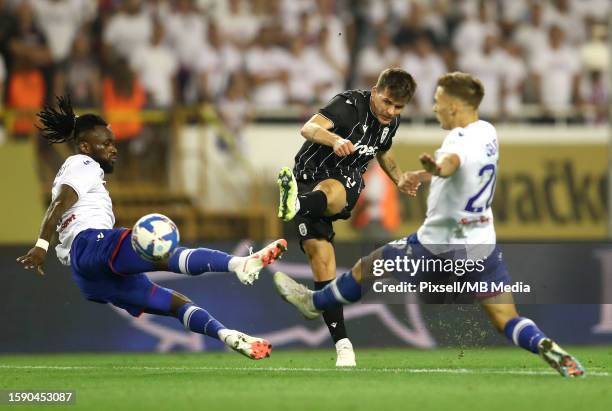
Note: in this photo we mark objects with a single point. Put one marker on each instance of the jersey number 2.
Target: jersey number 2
(490, 183)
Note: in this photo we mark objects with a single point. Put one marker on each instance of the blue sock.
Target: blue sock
(199, 321)
(196, 261)
(524, 333)
(343, 290)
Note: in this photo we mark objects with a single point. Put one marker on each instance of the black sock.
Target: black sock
(313, 204)
(334, 318)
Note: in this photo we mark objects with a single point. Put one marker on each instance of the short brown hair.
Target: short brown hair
(464, 86)
(398, 82)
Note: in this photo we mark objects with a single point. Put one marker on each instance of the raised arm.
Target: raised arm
(387, 162)
(445, 166)
(317, 130)
(35, 258)
(407, 182)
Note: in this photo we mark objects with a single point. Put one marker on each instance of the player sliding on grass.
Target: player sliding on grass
(103, 262)
(327, 179)
(459, 222)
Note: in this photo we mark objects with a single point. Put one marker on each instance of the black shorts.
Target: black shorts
(322, 227)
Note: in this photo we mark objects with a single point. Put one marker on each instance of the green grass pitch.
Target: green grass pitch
(408, 379)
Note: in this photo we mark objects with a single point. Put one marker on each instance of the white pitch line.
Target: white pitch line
(502, 371)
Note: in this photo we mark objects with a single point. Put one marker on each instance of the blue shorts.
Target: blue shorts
(92, 256)
(489, 270)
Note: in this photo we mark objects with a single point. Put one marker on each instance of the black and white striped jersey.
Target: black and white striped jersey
(353, 120)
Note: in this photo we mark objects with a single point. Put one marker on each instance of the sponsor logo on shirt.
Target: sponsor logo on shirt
(66, 222)
(367, 150)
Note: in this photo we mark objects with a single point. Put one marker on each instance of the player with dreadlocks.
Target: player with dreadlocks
(102, 261)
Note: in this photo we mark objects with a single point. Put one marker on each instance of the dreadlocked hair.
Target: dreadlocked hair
(62, 125)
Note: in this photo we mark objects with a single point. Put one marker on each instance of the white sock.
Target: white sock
(223, 333)
(235, 263)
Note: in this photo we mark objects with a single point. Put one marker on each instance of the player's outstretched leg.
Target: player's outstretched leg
(201, 260)
(141, 292)
(524, 333)
(196, 261)
(345, 289)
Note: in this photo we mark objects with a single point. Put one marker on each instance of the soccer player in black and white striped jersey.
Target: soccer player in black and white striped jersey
(325, 183)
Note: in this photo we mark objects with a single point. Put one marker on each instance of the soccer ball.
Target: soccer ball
(154, 237)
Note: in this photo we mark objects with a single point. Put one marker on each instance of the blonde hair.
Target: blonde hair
(463, 86)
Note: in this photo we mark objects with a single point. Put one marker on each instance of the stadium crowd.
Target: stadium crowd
(550, 56)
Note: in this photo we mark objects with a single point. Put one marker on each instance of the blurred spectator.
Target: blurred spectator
(556, 72)
(26, 86)
(236, 22)
(235, 109)
(26, 94)
(595, 58)
(186, 32)
(513, 12)
(26, 42)
(532, 36)
(426, 67)
(515, 75)
(268, 65)
(215, 62)
(375, 58)
(123, 97)
(472, 32)
(59, 21)
(595, 54)
(2, 80)
(7, 29)
(333, 35)
(83, 78)
(156, 67)
(310, 75)
(565, 14)
(292, 11)
(596, 10)
(488, 65)
(128, 30)
(387, 13)
(415, 25)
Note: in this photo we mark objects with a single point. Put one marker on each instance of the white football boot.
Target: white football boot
(296, 294)
(345, 356)
(566, 364)
(247, 268)
(252, 347)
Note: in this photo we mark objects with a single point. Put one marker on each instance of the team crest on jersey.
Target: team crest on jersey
(303, 229)
(384, 134)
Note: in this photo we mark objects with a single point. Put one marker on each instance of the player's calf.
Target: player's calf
(197, 261)
(524, 333)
